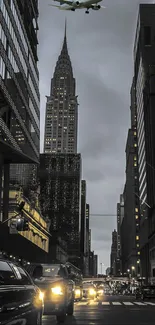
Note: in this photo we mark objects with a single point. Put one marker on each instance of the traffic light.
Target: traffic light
(22, 224)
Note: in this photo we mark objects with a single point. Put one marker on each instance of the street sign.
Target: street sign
(13, 227)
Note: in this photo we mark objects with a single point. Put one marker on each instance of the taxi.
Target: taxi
(21, 301)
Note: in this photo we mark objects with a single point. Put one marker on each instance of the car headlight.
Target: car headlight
(57, 291)
(92, 292)
(77, 292)
(41, 295)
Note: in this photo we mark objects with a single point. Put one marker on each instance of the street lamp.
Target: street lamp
(133, 269)
(102, 264)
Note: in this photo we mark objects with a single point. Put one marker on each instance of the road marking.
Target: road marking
(82, 303)
(140, 303)
(93, 303)
(105, 303)
(127, 303)
(115, 303)
(150, 303)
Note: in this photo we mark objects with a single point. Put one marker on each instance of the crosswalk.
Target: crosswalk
(115, 303)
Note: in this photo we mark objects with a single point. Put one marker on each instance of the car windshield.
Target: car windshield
(51, 270)
(6, 274)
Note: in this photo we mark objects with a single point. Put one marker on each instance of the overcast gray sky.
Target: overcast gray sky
(101, 49)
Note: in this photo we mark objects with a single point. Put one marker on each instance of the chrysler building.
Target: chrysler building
(61, 119)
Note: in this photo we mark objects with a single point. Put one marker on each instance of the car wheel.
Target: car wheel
(61, 317)
(38, 320)
(70, 309)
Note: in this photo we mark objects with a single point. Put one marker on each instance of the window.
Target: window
(147, 35)
(7, 276)
(137, 237)
(25, 279)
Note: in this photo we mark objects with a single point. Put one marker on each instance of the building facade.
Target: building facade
(60, 176)
(131, 221)
(19, 88)
(83, 227)
(87, 240)
(61, 120)
(113, 255)
(144, 74)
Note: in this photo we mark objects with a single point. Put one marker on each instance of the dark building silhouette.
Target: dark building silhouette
(113, 255)
(60, 176)
(144, 76)
(130, 224)
(87, 240)
(83, 226)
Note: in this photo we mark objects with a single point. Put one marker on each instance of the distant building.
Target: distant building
(83, 226)
(87, 241)
(113, 255)
(61, 119)
(108, 270)
(95, 265)
(60, 176)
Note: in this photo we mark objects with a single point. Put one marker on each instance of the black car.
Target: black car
(147, 291)
(57, 287)
(21, 301)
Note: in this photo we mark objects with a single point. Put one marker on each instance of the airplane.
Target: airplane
(73, 5)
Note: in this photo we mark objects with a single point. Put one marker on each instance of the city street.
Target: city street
(113, 310)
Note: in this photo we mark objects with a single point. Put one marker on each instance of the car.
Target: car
(89, 290)
(21, 301)
(57, 287)
(147, 291)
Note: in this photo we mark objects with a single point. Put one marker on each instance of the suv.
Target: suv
(57, 288)
(21, 302)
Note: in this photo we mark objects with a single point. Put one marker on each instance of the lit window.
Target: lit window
(135, 133)
(137, 245)
(138, 253)
(135, 144)
(136, 216)
(136, 209)
(137, 237)
(135, 164)
(135, 158)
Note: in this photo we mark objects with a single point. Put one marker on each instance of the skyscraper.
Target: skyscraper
(113, 256)
(83, 226)
(19, 87)
(60, 165)
(144, 75)
(62, 108)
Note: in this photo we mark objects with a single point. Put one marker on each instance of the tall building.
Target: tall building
(113, 255)
(60, 176)
(118, 229)
(60, 164)
(19, 88)
(87, 240)
(130, 225)
(61, 119)
(83, 226)
(144, 75)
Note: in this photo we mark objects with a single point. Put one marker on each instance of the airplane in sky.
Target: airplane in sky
(74, 5)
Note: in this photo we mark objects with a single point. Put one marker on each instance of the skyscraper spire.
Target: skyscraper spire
(64, 47)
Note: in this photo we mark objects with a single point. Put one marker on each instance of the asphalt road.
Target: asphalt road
(112, 310)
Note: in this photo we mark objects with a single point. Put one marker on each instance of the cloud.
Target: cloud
(101, 49)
